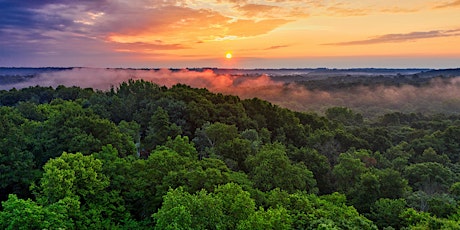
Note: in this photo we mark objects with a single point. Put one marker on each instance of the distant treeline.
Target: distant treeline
(370, 92)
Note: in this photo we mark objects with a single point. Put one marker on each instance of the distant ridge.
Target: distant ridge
(441, 72)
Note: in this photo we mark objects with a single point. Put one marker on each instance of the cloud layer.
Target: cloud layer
(125, 25)
(117, 33)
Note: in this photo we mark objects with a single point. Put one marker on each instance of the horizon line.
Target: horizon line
(226, 68)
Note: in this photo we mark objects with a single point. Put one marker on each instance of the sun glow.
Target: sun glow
(228, 55)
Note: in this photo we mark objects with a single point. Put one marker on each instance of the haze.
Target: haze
(441, 95)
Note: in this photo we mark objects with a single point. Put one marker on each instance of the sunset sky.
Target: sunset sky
(259, 34)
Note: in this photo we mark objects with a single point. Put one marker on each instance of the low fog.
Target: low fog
(438, 96)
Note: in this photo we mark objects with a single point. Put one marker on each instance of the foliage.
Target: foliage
(143, 156)
(270, 168)
(27, 214)
(387, 213)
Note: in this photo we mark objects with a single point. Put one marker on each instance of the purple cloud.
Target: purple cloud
(393, 38)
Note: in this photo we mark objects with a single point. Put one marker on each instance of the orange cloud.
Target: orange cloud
(450, 4)
(186, 26)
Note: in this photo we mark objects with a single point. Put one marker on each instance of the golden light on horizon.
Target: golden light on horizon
(228, 55)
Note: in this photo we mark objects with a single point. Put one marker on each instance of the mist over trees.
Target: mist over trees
(370, 92)
(143, 156)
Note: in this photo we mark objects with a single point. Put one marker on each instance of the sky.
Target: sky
(259, 34)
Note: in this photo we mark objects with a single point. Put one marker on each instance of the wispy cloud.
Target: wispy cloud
(276, 47)
(363, 8)
(343, 11)
(257, 9)
(140, 47)
(247, 28)
(397, 9)
(395, 38)
(449, 4)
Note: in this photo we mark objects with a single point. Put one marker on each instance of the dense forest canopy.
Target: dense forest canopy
(143, 156)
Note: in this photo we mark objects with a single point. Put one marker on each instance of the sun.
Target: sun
(228, 55)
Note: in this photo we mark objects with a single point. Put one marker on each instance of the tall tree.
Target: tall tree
(160, 127)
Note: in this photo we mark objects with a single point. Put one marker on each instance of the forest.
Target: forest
(145, 156)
